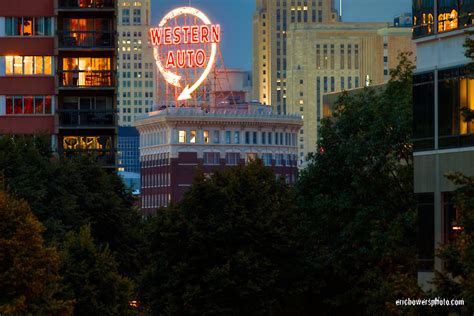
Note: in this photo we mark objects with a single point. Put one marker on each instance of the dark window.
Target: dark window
(425, 204)
(423, 111)
(466, 10)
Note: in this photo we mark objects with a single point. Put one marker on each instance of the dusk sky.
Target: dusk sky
(235, 17)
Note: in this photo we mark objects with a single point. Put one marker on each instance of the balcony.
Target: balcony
(89, 118)
(86, 4)
(86, 79)
(88, 40)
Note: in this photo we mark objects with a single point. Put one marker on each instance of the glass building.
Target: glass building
(443, 139)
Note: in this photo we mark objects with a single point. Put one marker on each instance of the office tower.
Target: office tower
(443, 140)
(136, 64)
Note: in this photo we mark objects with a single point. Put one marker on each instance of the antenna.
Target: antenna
(340, 9)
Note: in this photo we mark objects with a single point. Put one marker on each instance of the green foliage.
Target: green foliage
(229, 248)
(29, 280)
(357, 198)
(91, 277)
(457, 280)
(66, 194)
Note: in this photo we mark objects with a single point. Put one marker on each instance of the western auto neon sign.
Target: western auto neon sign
(180, 48)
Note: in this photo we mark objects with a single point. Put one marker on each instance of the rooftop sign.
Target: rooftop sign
(182, 48)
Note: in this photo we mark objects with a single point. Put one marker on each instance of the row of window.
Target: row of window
(29, 105)
(28, 65)
(234, 137)
(326, 57)
(452, 14)
(156, 160)
(29, 26)
(455, 92)
(156, 200)
(156, 180)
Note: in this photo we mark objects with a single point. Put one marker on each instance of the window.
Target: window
(182, 136)
(279, 159)
(28, 65)
(247, 138)
(447, 15)
(126, 16)
(423, 18)
(356, 56)
(270, 140)
(267, 159)
(192, 137)
(251, 157)
(264, 138)
(232, 159)
(28, 26)
(216, 137)
(426, 242)
(29, 105)
(211, 158)
(206, 137)
(137, 17)
(228, 137)
(236, 137)
(341, 65)
(255, 141)
(423, 111)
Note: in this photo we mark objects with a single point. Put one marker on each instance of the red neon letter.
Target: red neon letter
(177, 35)
(205, 34)
(170, 60)
(190, 57)
(155, 34)
(194, 34)
(167, 31)
(181, 59)
(186, 34)
(200, 58)
(216, 33)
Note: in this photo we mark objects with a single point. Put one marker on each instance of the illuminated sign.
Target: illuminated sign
(179, 48)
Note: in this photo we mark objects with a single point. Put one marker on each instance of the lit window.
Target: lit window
(28, 65)
(182, 137)
(192, 138)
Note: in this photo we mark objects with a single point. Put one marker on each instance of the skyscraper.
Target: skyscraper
(302, 50)
(136, 65)
(65, 89)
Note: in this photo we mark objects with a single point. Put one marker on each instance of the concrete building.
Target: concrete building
(302, 50)
(443, 140)
(271, 23)
(328, 58)
(176, 141)
(56, 73)
(136, 65)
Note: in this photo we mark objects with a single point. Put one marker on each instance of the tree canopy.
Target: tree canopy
(227, 249)
(357, 198)
(29, 271)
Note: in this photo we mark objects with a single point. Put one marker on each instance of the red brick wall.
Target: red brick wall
(27, 7)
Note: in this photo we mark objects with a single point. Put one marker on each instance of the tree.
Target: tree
(68, 193)
(91, 277)
(356, 194)
(228, 248)
(29, 279)
(457, 280)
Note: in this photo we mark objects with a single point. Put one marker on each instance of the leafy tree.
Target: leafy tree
(457, 280)
(229, 248)
(91, 277)
(356, 194)
(29, 280)
(66, 194)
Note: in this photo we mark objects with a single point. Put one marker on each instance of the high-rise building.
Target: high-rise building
(443, 140)
(334, 57)
(136, 64)
(64, 86)
(271, 23)
(302, 50)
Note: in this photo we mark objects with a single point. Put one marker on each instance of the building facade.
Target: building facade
(328, 58)
(136, 65)
(443, 140)
(271, 23)
(28, 59)
(302, 50)
(176, 141)
(57, 61)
